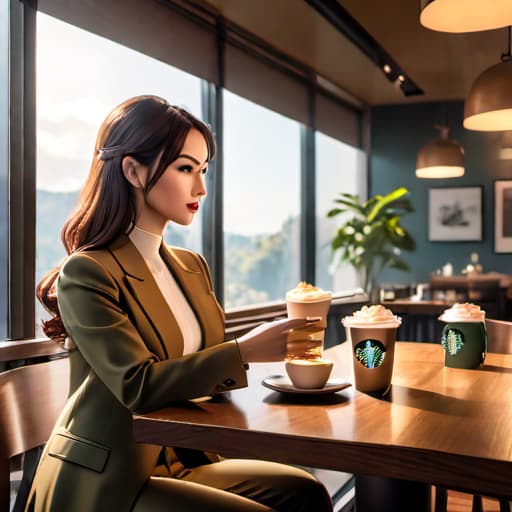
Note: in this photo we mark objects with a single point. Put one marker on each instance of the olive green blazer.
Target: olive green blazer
(128, 359)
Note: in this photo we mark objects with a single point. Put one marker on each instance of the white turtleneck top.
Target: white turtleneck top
(148, 245)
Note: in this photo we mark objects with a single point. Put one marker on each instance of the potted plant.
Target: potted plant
(372, 236)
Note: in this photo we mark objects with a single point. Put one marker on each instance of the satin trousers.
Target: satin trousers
(236, 485)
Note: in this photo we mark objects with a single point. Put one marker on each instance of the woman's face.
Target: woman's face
(177, 194)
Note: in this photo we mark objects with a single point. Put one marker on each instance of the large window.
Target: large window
(339, 168)
(261, 203)
(80, 78)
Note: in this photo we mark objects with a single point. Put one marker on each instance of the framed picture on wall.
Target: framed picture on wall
(455, 214)
(503, 216)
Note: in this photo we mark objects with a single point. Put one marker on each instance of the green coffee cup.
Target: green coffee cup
(464, 343)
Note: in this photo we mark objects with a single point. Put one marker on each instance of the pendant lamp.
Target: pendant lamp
(488, 107)
(465, 15)
(440, 158)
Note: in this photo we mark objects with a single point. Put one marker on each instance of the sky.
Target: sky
(81, 77)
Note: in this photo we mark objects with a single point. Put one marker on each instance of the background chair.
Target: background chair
(31, 399)
(499, 340)
(499, 336)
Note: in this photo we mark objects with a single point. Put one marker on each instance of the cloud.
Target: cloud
(60, 174)
(87, 109)
(69, 136)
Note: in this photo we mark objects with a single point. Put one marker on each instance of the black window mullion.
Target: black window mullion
(4, 167)
(213, 214)
(22, 171)
(308, 195)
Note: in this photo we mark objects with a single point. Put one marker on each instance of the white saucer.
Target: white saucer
(283, 384)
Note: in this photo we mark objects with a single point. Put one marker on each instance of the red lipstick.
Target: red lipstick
(193, 206)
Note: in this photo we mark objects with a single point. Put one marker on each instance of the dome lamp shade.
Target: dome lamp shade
(459, 16)
(440, 158)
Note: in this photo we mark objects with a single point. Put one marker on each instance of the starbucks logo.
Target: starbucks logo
(452, 340)
(370, 353)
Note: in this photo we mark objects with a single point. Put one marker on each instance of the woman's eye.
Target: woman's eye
(204, 171)
(185, 168)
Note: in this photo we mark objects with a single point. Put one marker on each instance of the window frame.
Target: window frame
(18, 226)
(5, 57)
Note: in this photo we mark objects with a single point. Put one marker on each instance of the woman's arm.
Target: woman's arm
(89, 301)
(268, 341)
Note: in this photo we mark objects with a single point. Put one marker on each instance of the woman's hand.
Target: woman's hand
(268, 341)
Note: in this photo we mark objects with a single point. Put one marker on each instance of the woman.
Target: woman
(145, 330)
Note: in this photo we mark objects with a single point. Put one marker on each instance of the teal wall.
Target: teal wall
(397, 134)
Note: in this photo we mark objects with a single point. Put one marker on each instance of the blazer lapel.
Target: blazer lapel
(144, 288)
(196, 288)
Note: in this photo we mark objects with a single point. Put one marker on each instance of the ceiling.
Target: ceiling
(443, 65)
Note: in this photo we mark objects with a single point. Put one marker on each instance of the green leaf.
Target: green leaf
(398, 264)
(335, 211)
(401, 206)
(400, 231)
(337, 243)
(405, 242)
(353, 197)
(384, 201)
(354, 206)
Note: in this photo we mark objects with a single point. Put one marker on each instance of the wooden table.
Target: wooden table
(439, 425)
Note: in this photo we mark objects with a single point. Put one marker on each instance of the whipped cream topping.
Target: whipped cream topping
(463, 313)
(372, 316)
(305, 292)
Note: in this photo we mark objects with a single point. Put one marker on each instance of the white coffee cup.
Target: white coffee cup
(309, 373)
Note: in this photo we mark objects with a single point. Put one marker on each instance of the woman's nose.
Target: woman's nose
(200, 185)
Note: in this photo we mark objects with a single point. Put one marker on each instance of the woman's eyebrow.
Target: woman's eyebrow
(197, 162)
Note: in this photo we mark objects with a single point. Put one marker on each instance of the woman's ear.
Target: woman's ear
(134, 172)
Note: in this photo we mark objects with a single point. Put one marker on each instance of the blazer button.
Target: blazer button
(229, 382)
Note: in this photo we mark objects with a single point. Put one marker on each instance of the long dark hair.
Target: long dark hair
(145, 128)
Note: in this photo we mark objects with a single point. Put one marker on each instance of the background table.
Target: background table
(419, 318)
(439, 425)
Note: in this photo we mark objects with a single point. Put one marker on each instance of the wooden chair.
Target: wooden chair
(31, 399)
(499, 340)
(499, 336)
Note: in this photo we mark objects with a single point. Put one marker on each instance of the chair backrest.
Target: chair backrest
(499, 336)
(31, 399)
(484, 288)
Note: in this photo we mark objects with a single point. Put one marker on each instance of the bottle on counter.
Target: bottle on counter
(448, 270)
(477, 267)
